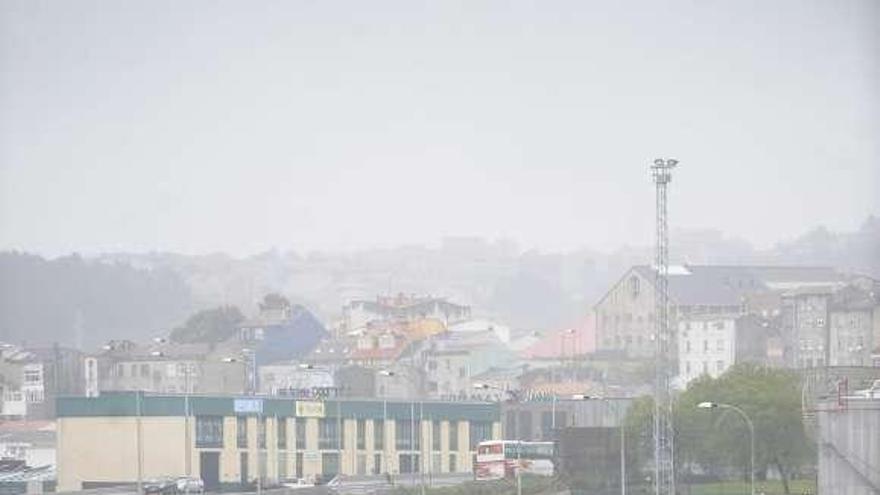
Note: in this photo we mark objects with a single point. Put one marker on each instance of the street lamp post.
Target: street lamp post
(745, 417)
(138, 398)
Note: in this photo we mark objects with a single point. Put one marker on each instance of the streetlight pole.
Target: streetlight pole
(140, 447)
(745, 417)
(186, 422)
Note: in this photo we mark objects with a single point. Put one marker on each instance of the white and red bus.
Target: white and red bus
(498, 459)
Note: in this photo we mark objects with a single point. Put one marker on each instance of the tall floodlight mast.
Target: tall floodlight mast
(664, 451)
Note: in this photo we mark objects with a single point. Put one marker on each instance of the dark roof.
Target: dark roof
(725, 285)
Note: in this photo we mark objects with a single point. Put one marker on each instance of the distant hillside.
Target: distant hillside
(123, 295)
(85, 302)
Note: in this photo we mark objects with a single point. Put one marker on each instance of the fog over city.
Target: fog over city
(440, 248)
(221, 126)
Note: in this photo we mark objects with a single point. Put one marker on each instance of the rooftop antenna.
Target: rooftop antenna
(664, 451)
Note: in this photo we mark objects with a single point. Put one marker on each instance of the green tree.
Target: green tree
(770, 397)
(209, 326)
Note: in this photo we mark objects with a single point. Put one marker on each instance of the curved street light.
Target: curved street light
(745, 417)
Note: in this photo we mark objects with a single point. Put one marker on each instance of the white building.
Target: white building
(706, 346)
(356, 315)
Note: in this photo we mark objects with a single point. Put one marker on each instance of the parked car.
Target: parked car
(190, 484)
(164, 485)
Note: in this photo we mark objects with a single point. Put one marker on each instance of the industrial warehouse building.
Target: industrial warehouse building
(118, 438)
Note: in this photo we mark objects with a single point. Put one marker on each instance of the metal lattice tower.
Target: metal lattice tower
(664, 452)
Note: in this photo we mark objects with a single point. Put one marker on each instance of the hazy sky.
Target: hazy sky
(238, 126)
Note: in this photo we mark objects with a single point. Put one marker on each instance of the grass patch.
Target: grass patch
(773, 487)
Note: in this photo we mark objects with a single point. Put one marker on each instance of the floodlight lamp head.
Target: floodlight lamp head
(707, 405)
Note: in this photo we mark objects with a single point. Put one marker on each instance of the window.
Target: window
(634, 288)
(687, 346)
(282, 465)
(241, 438)
(120, 370)
(719, 346)
(32, 376)
(687, 367)
(300, 434)
(361, 434)
(261, 433)
(145, 370)
(281, 428)
(705, 366)
(705, 346)
(133, 370)
(453, 435)
(462, 372)
(453, 467)
(409, 463)
(479, 431)
(405, 438)
(435, 435)
(525, 424)
(719, 366)
(33, 396)
(379, 435)
(328, 434)
(209, 431)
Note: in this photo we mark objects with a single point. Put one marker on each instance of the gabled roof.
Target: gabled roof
(725, 285)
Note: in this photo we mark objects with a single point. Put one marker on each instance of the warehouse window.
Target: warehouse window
(281, 427)
(241, 439)
(479, 431)
(328, 434)
(300, 434)
(379, 435)
(361, 434)
(209, 431)
(404, 436)
(453, 435)
(435, 435)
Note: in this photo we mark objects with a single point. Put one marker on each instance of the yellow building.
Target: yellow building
(122, 437)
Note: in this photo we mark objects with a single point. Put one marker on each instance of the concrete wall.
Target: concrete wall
(849, 447)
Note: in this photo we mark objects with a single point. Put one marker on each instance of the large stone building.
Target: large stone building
(625, 315)
(168, 368)
(831, 325)
(119, 438)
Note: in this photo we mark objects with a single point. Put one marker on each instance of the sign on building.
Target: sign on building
(248, 406)
(309, 409)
